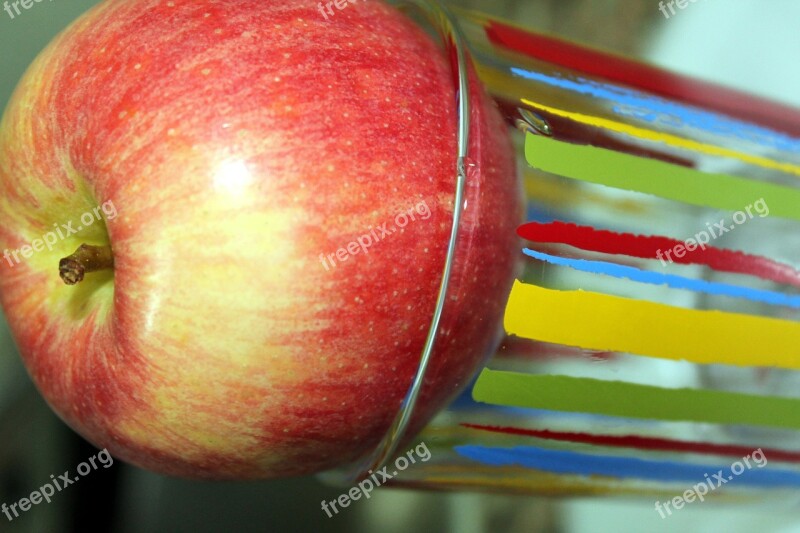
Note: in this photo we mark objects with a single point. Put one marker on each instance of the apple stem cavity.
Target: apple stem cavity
(86, 259)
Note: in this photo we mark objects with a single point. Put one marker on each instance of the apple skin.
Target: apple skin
(238, 140)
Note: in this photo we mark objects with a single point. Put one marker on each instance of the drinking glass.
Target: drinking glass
(652, 339)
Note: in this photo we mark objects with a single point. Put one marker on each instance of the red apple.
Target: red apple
(241, 143)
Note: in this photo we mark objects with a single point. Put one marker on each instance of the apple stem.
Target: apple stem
(86, 259)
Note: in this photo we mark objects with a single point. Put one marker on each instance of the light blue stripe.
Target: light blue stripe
(674, 281)
(657, 110)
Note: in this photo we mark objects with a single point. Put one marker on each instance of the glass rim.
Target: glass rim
(442, 20)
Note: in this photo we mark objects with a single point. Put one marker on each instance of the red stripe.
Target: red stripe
(648, 247)
(644, 443)
(651, 79)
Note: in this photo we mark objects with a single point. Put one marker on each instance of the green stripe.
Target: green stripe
(674, 182)
(616, 398)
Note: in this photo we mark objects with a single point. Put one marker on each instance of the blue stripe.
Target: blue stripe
(671, 280)
(568, 462)
(663, 112)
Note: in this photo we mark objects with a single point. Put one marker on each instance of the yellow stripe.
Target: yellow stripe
(671, 140)
(601, 322)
